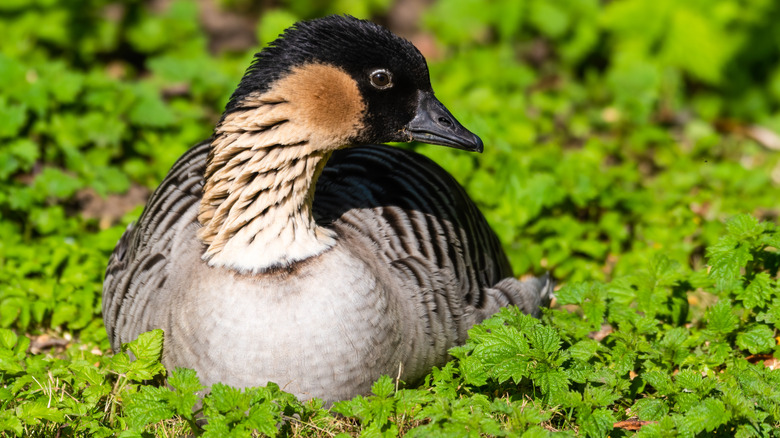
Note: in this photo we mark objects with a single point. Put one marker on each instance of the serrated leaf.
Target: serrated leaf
(758, 292)
(184, 380)
(383, 387)
(505, 354)
(756, 339)
(186, 383)
(688, 380)
(744, 226)
(674, 338)
(550, 381)
(224, 398)
(32, 412)
(120, 363)
(726, 259)
(217, 428)
(572, 293)
(771, 316)
(660, 381)
(380, 410)
(546, 339)
(650, 409)
(147, 406)
(579, 372)
(147, 349)
(600, 395)
(709, 414)
(583, 350)
(473, 371)
(665, 271)
(263, 417)
(87, 372)
(147, 346)
(721, 318)
(598, 423)
(9, 422)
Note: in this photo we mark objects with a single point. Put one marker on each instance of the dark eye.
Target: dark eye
(381, 79)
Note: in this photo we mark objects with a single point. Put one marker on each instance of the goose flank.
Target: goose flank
(291, 248)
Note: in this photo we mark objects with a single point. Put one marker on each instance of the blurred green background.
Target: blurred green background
(613, 130)
(619, 137)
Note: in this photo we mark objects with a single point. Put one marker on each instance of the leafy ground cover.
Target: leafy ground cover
(631, 150)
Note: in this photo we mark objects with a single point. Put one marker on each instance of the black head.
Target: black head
(391, 76)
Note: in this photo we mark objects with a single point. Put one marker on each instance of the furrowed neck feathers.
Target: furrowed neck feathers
(265, 158)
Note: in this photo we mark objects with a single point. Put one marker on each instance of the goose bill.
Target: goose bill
(434, 124)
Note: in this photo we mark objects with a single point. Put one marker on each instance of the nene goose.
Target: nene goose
(287, 249)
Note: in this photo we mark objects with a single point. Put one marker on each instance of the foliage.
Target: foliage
(628, 151)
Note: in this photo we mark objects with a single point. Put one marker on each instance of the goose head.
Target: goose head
(354, 82)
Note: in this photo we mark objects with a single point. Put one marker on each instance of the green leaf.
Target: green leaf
(12, 117)
(32, 412)
(54, 182)
(9, 363)
(87, 372)
(8, 339)
(505, 353)
(147, 349)
(758, 338)
(584, 349)
(688, 381)
(758, 292)
(598, 423)
(383, 387)
(9, 422)
(546, 339)
(473, 371)
(572, 293)
(709, 415)
(550, 381)
(150, 110)
(186, 383)
(744, 226)
(147, 346)
(65, 312)
(650, 409)
(727, 258)
(721, 318)
(147, 406)
(771, 316)
(223, 398)
(552, 20)
(600, 395)
(263, 418)
(660, 381)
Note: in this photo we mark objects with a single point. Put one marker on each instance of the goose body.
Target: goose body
(278, 251)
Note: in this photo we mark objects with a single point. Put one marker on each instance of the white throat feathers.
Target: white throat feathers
(266, 156)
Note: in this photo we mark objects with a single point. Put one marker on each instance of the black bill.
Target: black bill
(434, 124)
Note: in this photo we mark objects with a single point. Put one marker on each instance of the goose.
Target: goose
(292, 247)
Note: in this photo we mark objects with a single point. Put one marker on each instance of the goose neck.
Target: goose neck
(256, 211)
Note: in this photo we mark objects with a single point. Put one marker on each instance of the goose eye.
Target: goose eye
(381, 79)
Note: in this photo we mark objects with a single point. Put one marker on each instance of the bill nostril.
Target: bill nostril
(445, 122)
